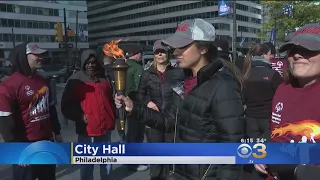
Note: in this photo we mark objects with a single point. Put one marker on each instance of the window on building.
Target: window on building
(4, 23)
(22, 9)
(23, 23)
(46, 25)
(10, 8)
(6, 37)
(34, 10)
(10, 23)
(29, 24)
(28, 10)
(51, 12)
(3, 7)
(41, 25)
(45, 11)
(56, 12)
(18, 38)
(36, 38)
(17, 23)
(35, 24)
(30, 38)
(24, 38)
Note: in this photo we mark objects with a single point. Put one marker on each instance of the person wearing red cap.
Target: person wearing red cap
(27, 109)
(296, 102)
(157, 98)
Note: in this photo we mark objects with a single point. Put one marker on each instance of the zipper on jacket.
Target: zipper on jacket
(174, 136)
(163, 98)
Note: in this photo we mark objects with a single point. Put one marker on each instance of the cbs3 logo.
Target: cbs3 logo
(245, 151)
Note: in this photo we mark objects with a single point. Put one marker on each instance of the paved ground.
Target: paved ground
(72, 172)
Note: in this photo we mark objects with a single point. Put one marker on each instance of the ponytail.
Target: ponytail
(256, 50)
(247, 65)
(236, 73)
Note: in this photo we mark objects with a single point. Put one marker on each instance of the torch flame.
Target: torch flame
(112, 49)
(301, 128)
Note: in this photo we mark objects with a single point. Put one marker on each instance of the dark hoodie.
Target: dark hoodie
(90, 95)
(27, 112)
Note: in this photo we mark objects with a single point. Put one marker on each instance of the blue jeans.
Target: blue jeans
(86, 171)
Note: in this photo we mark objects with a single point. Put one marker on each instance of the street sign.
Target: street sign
(69, 45)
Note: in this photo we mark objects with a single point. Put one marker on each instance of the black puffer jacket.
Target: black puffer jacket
(151, 88)
(211, 112)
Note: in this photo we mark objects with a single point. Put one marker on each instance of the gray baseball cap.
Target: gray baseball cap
(189, 31)
(308, 37)
(158, 45)
(32, 48)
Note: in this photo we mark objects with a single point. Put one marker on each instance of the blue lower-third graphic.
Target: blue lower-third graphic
(44, 152)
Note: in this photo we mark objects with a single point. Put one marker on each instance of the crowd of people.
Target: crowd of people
(206, 99)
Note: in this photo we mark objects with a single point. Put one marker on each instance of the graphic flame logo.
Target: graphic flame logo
(301, 128)
(42, 91)
(112, 49)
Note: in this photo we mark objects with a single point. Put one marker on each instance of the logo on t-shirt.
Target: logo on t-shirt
(276, 116)
(308, 130)
(29, 92)
(39, 106)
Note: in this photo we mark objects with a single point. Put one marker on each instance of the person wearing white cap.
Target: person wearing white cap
(206, 106)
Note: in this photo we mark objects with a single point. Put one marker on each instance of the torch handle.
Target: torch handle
(122, 115)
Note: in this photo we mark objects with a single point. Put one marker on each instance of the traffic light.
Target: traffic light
(59, 33)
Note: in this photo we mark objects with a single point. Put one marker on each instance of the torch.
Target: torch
(120, 73)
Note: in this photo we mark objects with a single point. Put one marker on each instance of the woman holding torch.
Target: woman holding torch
(206, 106)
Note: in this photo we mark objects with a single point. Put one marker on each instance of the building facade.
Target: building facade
(148, 21)
(34, 21)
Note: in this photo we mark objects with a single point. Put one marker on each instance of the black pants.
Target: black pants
(32, 172)
(135, 133)
(256, 128)
(135, 130)
(157, 171)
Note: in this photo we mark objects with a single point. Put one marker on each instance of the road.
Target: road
(67, 172)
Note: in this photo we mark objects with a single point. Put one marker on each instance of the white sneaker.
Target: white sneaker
(142, 168)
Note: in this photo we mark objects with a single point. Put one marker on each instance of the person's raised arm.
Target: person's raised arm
(164, 121)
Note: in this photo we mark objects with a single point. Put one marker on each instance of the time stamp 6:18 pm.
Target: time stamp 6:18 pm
(255, 151)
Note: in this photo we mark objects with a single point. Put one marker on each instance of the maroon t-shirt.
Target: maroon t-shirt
(189, 84)
(295, 114)
(28, 100)
(161, 75)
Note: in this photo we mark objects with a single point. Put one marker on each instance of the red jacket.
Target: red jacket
(92, 97)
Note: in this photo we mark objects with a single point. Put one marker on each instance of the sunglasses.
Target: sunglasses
(91, 62)
(301, 51)
(158, 51)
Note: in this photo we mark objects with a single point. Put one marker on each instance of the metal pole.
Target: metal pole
(275, 34)
(66, 39)
(77, 38)
(13, 38)
(234, 37)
